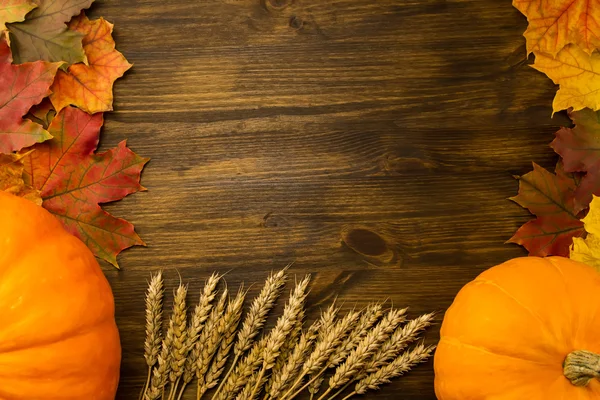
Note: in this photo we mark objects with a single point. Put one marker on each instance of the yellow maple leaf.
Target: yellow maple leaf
(554, 24)
(578, 75)
(11, 178)
(588, 250)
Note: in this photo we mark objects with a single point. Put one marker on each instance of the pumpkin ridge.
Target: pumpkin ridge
(513, 298)
(452, 341)
(568, 298)
(64, 336)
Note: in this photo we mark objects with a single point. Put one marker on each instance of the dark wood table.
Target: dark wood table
(371, 142)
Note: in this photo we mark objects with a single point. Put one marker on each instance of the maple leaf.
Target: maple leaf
(11, 178)
(14, 11)
(22, 86)
(580, 149)
(554, 24)
(578, 75)
(89, 87)
(73, 181)
(588, 250)
(44, 34)
(550, 197)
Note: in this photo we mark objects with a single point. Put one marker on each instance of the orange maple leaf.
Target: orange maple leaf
(578, 75)
(89, 87)
(553, 24)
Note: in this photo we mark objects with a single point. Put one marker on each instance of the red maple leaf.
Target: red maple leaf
(551, 198)
(22, 86)
(580, 149)
(73, 181)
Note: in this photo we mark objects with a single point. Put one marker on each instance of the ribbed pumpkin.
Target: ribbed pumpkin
(527, 329)
(58, 337)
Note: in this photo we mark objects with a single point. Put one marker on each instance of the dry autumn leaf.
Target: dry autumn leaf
(588, 250)
(42, 113)
(73, 181)
(554, 24)
(89, 87)
(11, 178)
(44, 34)
(550, 197)
(23, 86)
(578, 75)
(580, 149)
(14, 11)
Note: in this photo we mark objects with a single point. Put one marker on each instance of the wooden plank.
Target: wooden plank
(372, 143)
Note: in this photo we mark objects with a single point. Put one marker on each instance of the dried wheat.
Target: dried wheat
(154, 311)
(401, 338)
(329, 340)
(209, 340)
(282, 380)
(201, 314)
(242, 372)
(284, 325)
(366, 348)
(226, 330)
(399, 366)
(255, 318)
(369, 317)
(179, 348)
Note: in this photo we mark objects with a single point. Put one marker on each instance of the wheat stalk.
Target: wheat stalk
(255, 318)
(366, 348)
(201, 314)
(154, 310)
(403, 363)
(284, 325)
(225, 333)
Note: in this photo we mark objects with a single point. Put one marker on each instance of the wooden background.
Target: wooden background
(371, 142)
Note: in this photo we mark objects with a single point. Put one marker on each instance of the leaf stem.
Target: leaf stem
(147, 384)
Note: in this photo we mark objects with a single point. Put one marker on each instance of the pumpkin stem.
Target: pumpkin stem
(581, 366)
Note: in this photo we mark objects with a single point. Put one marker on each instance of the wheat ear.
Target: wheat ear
(316, 364)
(201, 313)
(369, 317)
(226, 330)
(161, 371)
(154, 311)
(284, 325)
(349, 322)
(326, 324)
(401, 338)
(364, 351)
(281, 381)
(287, 349)
(255, 318)
(179, 348)
(402, 364)
(242, 372)
(209, 340)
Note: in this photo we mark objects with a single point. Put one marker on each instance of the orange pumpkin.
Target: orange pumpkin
(58, 336)
(527, 329)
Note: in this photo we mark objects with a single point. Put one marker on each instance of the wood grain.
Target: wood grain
(373, 143)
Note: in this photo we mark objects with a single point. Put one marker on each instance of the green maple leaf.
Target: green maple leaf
(44, 34)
